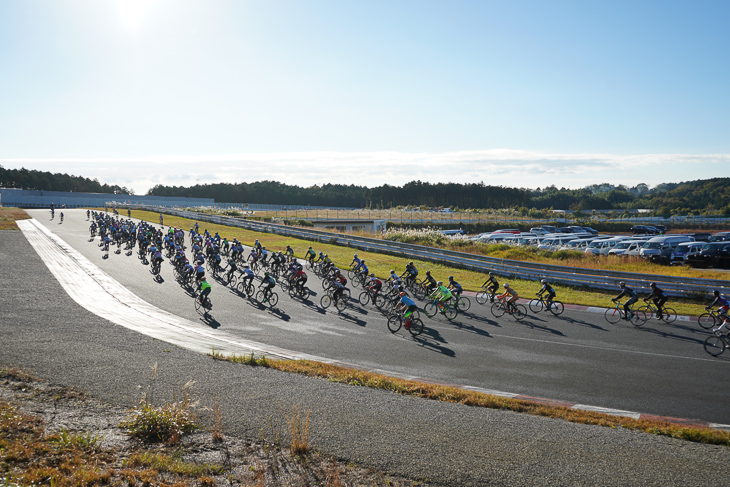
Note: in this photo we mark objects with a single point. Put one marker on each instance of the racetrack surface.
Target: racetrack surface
(578, 357)
(44, 330)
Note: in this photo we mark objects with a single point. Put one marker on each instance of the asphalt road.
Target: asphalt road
(45, 331)
(578, 357)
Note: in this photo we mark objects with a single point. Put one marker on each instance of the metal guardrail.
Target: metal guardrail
(574, 276)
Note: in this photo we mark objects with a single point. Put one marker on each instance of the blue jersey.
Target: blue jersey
(407, 301)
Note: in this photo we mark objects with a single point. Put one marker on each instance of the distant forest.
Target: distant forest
(46, 181)
(709, 195)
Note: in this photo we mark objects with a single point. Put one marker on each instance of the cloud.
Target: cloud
(505, 167)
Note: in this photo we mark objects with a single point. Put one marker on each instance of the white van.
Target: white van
(578, 244)
(662, 247)
(603, 246)
(555, 242)
(628, 248)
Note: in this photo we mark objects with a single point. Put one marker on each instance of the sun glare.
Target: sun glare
(132, 12)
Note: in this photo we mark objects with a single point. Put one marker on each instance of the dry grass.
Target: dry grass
(436, 392)
(381, 264)
(299, 431)
(8, 217)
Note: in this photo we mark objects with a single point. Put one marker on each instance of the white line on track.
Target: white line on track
(610, 349)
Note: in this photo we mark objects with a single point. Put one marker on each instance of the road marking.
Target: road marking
(611, 349)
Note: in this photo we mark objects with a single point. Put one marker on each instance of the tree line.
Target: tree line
(46, 181)
(708, 195)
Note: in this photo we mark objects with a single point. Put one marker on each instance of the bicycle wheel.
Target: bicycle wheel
(394, 323)
(715, 345)
(233, 281)
(350, 274)
(419, 292)
(498, 309)
(482, 297)
(637, 318)
(519, 312)
(273, 299)
(463, 303)
(416, 327)
(556, 308)
(613, 315)
(379, 300)
(325, 301)
(669, 315)
(431, 309)
(305, 293)
(706, 321)
(536, 305)
(260, 296)
(364, 298)
(340, 304)
(450, 312)
(198, 306)
(346, 295)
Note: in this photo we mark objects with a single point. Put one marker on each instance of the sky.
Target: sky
(513, 93)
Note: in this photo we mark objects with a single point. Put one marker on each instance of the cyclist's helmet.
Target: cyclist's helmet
(410, 263)
(716, 293)
(310, 248)
(354, 256)
(652, 285)
(428, 273)
(622, 284)
(372, 275)
(439, 283)
(506, 285)
(263, 248)
(362, 261)
(402, 293)
(544, 281)
(451, 278)
(392, 271)
(490, 274)
(266, 274)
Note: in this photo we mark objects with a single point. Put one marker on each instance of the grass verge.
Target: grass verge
(381, 264)
(361, 378)
(8, 217)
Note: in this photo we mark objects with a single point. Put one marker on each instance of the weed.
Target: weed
(167, 463)
(84, 441)
(217, 421)
(299, 431)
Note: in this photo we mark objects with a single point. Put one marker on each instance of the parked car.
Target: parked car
(713, 254)
(508, 230)
(644, 230)
(589, 230)
(719, 237)
(602, 246)
(627, 248)
(539, 231)
(682, 252)
(659, 249)
(579, 244)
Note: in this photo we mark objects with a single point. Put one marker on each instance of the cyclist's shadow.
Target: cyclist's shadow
(208, 319)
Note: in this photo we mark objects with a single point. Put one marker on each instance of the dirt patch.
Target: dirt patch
(48, 430)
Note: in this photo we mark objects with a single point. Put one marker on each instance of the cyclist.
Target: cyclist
(724, 304)
(188, 269)
(320, 258)
(300, 278)
(658, 297)
(339, 285)
(355, 261)
(626, 291)
(264, 255)
(508, 291)
(248, 276)
(362, 270)
(410, 273)
(61, 217)
(407, 305)
(199, 273)
(441, 293)
(289, 253)
(310, 255)
(257, 245)
(204, 289)
(547, 288)
(430, 283)
(156, 258)
(268, 283)
(87, 214)
(373, 284)
(455, 288)
(493, 286)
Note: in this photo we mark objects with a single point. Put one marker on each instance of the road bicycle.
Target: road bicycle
(668, 315)
(301, 291)
(485, 295)
(328, 299)
(155, 267)
(205, 306)
(267, 296)
(716, 343)
(358, 280)
(711, 319)
(614, 315)
(540, 303)
(413, 323)
(368, 296)
(246, 286)
(463, 303)
(437, 306)
(502, 306)
(423, 289)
